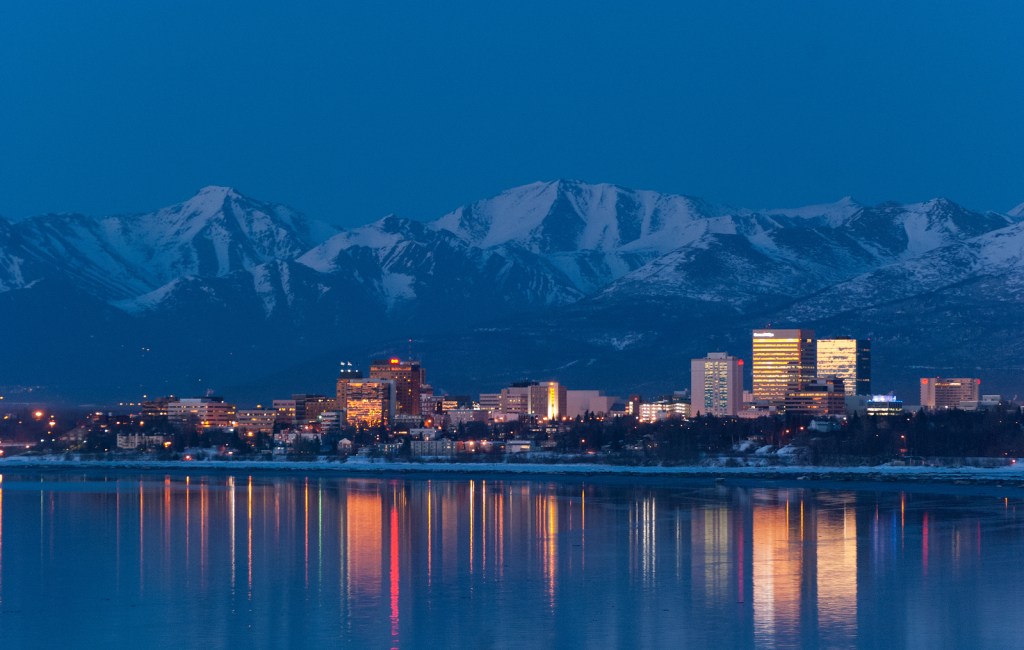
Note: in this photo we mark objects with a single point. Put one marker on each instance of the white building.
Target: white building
(716, 385)
(578, 402)
(663, 410)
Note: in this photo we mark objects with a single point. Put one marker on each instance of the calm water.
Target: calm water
(122, 560)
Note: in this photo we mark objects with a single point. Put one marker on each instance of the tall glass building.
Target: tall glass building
(408, 377)
(783, 362)
(848, 359)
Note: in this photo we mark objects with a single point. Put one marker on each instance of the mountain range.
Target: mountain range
(596, 285)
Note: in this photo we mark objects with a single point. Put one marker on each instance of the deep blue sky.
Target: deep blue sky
(348, 111)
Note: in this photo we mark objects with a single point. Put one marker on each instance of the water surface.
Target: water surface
(118, 560)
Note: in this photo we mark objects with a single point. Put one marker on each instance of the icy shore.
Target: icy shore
(1011, 475)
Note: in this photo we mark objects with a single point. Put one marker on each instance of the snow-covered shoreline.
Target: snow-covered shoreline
(1008, 475)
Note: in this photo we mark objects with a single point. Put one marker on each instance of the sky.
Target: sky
(349, 111)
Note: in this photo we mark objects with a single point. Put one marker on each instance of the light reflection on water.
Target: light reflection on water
(239, 560)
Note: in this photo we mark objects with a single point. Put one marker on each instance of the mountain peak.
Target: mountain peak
(221, 190)
(834, 213)
(210, 199)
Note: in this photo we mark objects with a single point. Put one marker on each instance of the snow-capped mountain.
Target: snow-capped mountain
(594, 234)
(562, 278)
(216, 232)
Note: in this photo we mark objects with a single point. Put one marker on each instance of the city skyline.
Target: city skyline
(535, 324)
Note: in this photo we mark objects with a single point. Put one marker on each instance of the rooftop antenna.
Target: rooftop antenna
(410, 350)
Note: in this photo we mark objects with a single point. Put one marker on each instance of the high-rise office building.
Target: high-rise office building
(548, 400)
(939, 393)
(408, 377)
(347, 373)
(783, 362)
(370, 402)
(848, 359)
(716, 385)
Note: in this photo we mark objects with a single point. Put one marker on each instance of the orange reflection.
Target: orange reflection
(777, 572)
(472, 517)
(249, 508)
(204, 514)
(167, 519)
(499, 549)
(231, 527)
(837, 574)
(393, 573)
(449, 531)
(363, 539)
(430, 532)
(188, 518)
(551, 546)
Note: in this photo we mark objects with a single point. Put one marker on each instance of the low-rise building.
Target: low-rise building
(517, 446)
(256, 420)
(663, 410)
(456, 417)
(884, 405)
(818, 397)
(202, 413)
(441, 447)
(137, 440)
(331, 421)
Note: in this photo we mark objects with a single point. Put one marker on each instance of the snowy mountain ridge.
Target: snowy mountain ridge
(580, 275)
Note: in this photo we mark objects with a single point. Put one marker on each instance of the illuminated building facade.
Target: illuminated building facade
(156, 408)
(408, 377)
(547, 400)
(286, 411)
(663, 410)
(515, 400)
(490, 401)
(783, 362)
(370, 402)
(818, 397)
(848, 359)
(345, 375)
(716, 385)
(202, 413)
(302, 409)
(938, 393)
(331, 421)
(256, 420)
(884, 405)
(309, 407)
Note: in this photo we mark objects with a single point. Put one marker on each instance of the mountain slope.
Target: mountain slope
(597, 285)
(216, 232)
